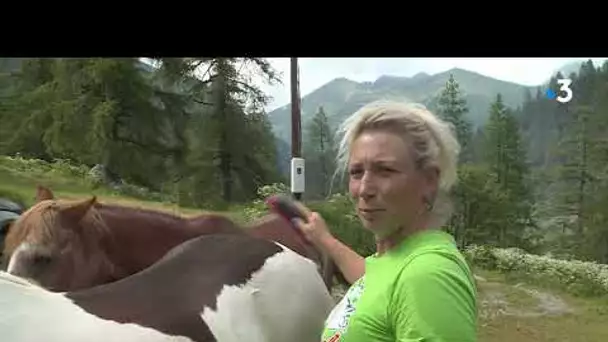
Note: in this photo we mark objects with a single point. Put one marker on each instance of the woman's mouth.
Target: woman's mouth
(369, 213)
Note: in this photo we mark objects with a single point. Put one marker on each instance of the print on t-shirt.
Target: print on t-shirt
(338, 319)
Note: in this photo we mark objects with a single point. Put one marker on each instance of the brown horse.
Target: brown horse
(71, 245)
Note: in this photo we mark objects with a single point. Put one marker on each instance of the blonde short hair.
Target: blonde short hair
(432, 140)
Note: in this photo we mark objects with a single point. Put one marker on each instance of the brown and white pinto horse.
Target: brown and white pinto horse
(67, 246)
(222, 287)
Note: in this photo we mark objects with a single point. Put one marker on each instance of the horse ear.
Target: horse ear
(43, 193)
(78, 210)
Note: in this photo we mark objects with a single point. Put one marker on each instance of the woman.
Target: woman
(401, 162)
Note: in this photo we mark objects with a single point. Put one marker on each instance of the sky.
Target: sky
(315, 72)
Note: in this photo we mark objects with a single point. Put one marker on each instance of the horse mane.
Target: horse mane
(119, 208)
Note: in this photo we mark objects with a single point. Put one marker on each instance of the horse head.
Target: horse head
(53, 242)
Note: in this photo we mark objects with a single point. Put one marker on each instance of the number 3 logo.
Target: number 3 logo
(565, 88)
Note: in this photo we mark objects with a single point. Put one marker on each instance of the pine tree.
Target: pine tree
(224, 146)
(582, 174)
(27, 95)
(93, 110)
(480, 207)
(506, 159)
(320, 153)
(452, 107)
(574, 172)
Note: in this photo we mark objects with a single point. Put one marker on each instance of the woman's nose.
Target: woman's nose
(367, 188)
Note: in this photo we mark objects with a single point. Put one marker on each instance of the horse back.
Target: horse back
(140, 237)
(233, 286)
(213, 224)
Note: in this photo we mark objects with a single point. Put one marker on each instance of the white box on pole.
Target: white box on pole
(297, 175)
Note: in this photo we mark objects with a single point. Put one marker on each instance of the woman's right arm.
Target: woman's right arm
(351, 264)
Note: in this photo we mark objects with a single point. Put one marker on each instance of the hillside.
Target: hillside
(569, 68)
(341, 96)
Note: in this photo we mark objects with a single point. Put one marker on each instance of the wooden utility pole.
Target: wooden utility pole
(296, 150)
(297, 162)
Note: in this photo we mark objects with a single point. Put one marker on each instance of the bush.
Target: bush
(482, 256)
(39, 167)
(574, 276)
(258, 208)
(271, 190)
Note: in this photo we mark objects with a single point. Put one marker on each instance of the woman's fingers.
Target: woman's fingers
(303, 208)
(296, 221)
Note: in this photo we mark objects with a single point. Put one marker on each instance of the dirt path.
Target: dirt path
(523, 313)
(499, 299)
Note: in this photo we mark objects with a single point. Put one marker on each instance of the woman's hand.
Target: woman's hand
(315, 230)
(351, 264)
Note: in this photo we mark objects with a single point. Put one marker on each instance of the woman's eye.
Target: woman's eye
(384, 169)
(355, 172)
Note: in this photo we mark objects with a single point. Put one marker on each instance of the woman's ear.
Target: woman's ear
(432, 175)
(431, 185)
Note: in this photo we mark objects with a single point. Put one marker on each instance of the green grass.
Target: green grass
(20, 184)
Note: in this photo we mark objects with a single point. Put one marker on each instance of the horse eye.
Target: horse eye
(42, 259)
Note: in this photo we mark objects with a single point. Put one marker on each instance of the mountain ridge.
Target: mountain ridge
(565, 69)
(422, 87)
(342, 96)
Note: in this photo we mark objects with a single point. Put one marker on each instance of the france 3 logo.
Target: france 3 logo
(564, 94)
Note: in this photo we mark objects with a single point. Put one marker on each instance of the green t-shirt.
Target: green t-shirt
(421, 290)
